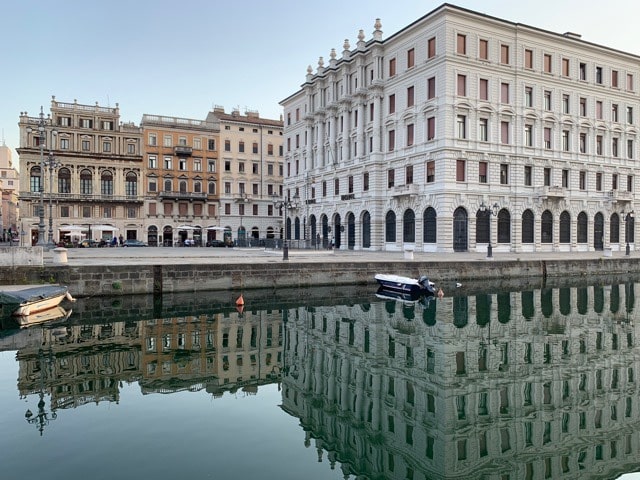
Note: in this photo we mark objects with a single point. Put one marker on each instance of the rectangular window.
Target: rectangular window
(583, 142)
(629, 115)
(431, 128)
(546, 63)
(583, 180)
(504, 133)
(598, 144)
(630, 149)
(565, 104)
(614, 181)
(336, 186)
(484, 129)
(528, 96)
(64, 144)
(630, 82)
(614, 78)
(431, 171)
(409, 134)
(599, 182)
(409, 175)
(614, 147)
(86, 145)
(462, 85)
(390, 178)
(410, 97)
(547, 100)
(583, 71)
(599, 75)
(583, 107)
(392, 103)
(482, 172)
(547, 138)
(431, 88)
(528, 175)
(431, 47)
(629, 183)
(546, 177)
(484, 89)
(504, 174)
(565, 140)
(153, 161)
(565, 178)
(565, 67)
(392, 67)
(528, 59)
(614, 113)
(504, 54)
(167, 163)
(392, 140)
(411, 57)
(462, 126)
(599, 110)
(528, 135)
(483, 49)
(460, 170)
(504, 93)
(227, 145)
(461, 44)
(365, 181)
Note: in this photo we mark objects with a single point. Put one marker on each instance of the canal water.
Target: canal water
(493, 381)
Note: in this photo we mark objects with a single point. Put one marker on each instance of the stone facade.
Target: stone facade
(464, 130)
(9, 188)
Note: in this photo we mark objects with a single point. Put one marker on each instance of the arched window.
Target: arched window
(582, 227)
(366, 230)
(296, 230)
(212, 188)
(64, 180)
(131, 184)
(390, 227)
(183, 186)
(429, 226)
(106, 183)
(546, 227)
(614, 227)
(527, 226)
(504, 226)
(197, 187)
(167, 185)
(565, 227)
(86, 182)
(409, 226)
(482, 226)
(630, 227)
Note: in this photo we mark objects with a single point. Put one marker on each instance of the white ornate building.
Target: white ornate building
(464, 130)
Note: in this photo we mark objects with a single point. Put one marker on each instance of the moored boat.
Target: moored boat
(29, 300)
(411, 286)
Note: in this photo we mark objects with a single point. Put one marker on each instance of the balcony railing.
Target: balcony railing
(183, 150)
(79, 197)
(620, 196)
(553, 192)
(405, 190)
(182, 196)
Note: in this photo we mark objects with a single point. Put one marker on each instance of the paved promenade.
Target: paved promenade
(204, 255)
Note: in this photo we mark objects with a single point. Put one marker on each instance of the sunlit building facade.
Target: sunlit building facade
(461, 131)
(9, 188)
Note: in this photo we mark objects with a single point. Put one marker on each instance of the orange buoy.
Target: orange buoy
(240, 308)
(240, 300)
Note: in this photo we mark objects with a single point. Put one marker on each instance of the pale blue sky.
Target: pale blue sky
(179, 58)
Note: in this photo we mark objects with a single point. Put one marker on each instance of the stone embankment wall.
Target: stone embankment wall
(143, 279)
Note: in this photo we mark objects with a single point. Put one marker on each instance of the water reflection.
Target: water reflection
(539, 382)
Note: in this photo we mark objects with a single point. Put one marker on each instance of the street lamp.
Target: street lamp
(242, 201)
(286, 204)
(41, 132)
(628, 219)
(491, 211)
(51, 163)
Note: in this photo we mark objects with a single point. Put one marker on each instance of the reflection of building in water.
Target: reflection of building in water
(520, 385)
(81, 364)
(219, 352)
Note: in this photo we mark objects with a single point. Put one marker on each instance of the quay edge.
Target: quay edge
(109, 280)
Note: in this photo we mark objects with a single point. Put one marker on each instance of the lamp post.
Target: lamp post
(286, 204)
(241, 201)
(628, 219)
(41, 132)
(51, 163)
(491, 211)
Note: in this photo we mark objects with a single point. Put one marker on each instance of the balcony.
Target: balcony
(80, 197)
(182, 151)
(620, 196)
(191, 196)
(408, 190)
(553, 193)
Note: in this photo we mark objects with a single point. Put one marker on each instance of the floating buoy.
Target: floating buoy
(440, 293)
(240, 308)
(240, 300)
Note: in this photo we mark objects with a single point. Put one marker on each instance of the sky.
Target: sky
(180, 58)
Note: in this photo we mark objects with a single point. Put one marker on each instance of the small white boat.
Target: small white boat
(54, 314)
(28, 300)
(406, 285)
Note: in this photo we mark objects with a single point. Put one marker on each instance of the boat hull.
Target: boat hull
(31, 300)
(404, 285)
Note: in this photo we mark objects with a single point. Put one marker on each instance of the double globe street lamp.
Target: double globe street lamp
(286, 204)
(44, 124)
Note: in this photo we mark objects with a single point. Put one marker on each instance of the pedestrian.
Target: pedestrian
(114, 242)
(121, 240)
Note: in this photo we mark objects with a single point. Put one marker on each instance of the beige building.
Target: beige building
(88, 169)
(181, 168)
(9, 187)
(250, 175)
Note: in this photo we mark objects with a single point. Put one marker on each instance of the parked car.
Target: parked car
(216, 243)
(133, 243)
(86, 243)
